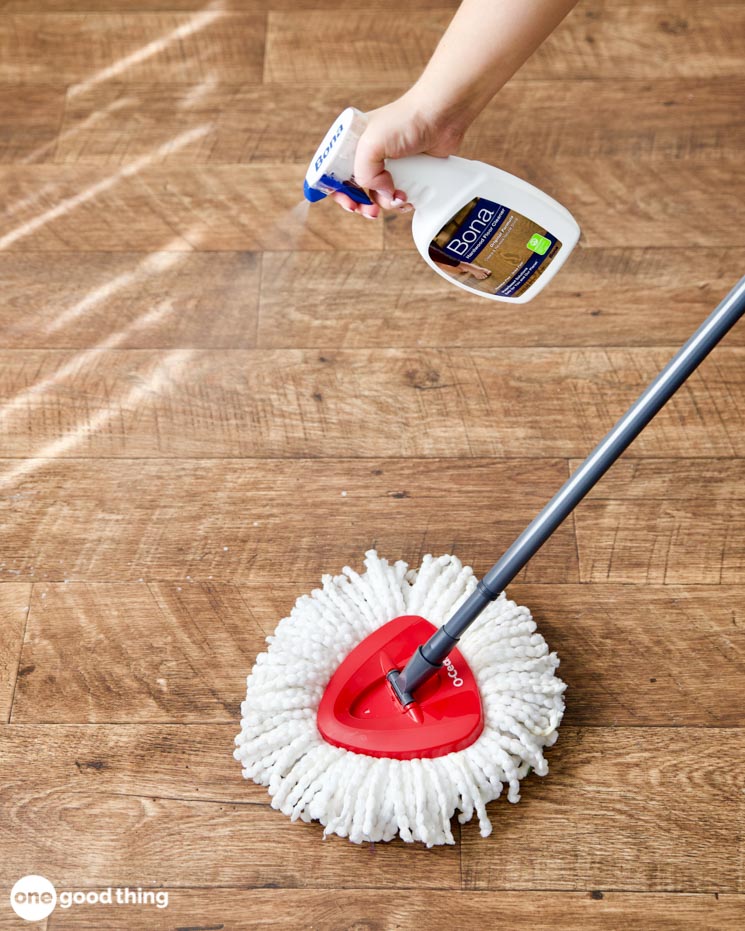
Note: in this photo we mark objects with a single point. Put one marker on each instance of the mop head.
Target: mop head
(368, 798)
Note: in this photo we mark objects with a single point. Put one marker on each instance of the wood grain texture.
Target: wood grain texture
(116, 831)
(542, 911)
(9, 921)
(662, 542)
(605, 40)
(371, 58)
(632, 479)
(642, 120)
(688, 118)
(359, 403)
(129, 300)
(656, 809)
(181, 650)
(162, 46)
(14, 606)
(240, 520)
(30, 122)
(141, 206)
(109, 123)
(664, 522)
(638, 655)
(170, 761)
(603, 297)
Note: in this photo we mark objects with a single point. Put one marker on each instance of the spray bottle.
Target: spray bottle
(482, 229)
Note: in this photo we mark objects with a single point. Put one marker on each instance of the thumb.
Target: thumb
(369, 167)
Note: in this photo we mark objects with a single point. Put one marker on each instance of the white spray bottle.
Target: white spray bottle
(479, 227)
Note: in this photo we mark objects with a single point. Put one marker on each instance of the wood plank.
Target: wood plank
(245, 123)
(250, 521)
(159, 47)
(631, 203)
(655, 809)
(672, 119)
(110, 835)
(665, 522)
(602, 40)
(542, 911)
(372, 58)
(359, 403)
(14, 606)
(644, 120)
(145, 207)
(192, 763)
(138, 652)
(29, 122)
(633, 479)
(129, 300)
(180, 651)
(662, 542)
(603, 297)
(627, 652)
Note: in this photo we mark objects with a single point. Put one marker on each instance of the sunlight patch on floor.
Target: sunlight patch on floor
(195, 24)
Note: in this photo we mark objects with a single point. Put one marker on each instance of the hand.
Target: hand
(401, 128)
(485, 43)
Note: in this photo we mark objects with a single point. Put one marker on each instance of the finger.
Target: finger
(369, 211)
(345, 201)
(369, 167)
(398, 203)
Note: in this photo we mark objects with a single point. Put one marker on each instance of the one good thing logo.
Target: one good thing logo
(34, 897)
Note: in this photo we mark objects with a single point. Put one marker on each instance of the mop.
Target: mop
(368, 714)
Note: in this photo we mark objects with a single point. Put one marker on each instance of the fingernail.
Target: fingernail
(348, 209)
(407, 208)
(397, 202)
(368, 217)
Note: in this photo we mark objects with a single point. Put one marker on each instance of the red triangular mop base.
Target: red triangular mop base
(360, 712)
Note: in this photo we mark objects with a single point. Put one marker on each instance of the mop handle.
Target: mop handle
(686, 360)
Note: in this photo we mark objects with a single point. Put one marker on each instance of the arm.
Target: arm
(484, 45)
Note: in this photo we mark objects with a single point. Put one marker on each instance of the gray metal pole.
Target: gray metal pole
(428, 658)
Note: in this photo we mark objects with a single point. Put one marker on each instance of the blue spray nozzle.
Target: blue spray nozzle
(312, 194)
(328, 184)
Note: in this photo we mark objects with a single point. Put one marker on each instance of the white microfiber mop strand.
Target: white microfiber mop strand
(369, 798)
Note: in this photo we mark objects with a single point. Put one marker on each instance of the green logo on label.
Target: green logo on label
(539, 244)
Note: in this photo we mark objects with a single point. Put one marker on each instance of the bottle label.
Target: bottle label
(491, 248)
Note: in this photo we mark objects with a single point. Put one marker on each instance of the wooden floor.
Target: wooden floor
(207, 400)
